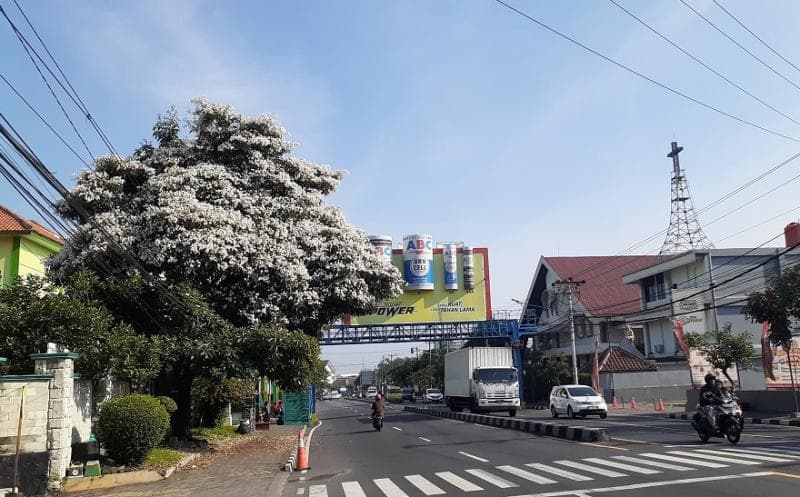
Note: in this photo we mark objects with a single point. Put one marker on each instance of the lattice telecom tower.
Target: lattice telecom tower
(684, 232)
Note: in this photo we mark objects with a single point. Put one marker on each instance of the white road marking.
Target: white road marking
(731, 460)
(303, 471)
(317, 491)
(560, 472)
(302, 478)
(474, 457)
(396, 428)
(389, 488)
(526, 475)
(424, 439)
(635, 486)
(758, 436)
(494, 480)
(746, 455)
(591, 469)
(778, 451)
(622, 466)
(353, 489)
(457, 481)
(657, 464)
(705, 464)
(424, 486)
(301, 491)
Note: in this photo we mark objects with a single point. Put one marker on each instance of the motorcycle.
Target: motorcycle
(377, 422)
(730, 422)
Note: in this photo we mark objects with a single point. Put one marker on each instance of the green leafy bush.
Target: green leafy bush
(169, 405)
(129, 426)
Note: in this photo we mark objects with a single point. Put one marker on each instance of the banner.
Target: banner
(767, 355)
(596, 367)
(780, 366)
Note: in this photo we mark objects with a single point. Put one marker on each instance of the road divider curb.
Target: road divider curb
(576, 433)
(752, 421)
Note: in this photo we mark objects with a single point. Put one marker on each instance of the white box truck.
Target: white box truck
(482, 379)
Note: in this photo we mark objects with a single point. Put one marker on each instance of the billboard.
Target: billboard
(781, 376)
(438, 305)
(690, 317)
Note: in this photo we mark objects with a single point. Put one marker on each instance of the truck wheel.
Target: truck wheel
(512, 412)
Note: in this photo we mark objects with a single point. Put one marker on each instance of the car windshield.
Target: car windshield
(497, 375)
(582, 392)
(433, 390)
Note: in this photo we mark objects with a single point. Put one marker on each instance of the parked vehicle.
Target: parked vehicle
(729, 423)
(407, 394)
(433, 396)
(335, 395)
(394, 394)
(372, 392)
(577, 400)
(377, 422)
(482, 379)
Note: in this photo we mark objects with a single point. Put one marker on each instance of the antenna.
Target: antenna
(684, 232)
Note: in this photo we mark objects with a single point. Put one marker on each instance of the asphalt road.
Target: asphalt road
(417, 455)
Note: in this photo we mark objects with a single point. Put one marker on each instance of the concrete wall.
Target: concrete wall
(33, 443)
(669, 383)
(769, 402)
(87, 399)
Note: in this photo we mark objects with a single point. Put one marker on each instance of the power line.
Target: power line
(751, 54)
(740, 23)
(694, 58)
(643, 76)
(788, 211)
(739, 189)
(44, 121)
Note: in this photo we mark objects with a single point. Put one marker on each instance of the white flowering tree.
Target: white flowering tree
(229, 211)
(238, 258)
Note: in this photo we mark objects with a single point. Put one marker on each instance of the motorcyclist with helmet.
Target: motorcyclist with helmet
(709, 397)
(377, 406)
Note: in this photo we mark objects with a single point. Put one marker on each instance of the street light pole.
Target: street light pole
(571, 285)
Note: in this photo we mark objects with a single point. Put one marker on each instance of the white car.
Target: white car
(335, 395)
(432, 395)
(577, 400)
(372, 392)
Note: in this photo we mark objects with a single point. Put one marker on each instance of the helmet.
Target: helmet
(378, 396)
(709, 378)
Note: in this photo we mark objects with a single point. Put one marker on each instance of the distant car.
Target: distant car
(407, 394)
(372, 392)
(577, 400)
(394, 394)
(432, 396)
(335, 395)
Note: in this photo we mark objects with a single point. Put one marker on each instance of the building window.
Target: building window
(654, 288)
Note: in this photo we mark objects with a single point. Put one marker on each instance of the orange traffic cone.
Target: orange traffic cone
(614, 401)
(302, 455)
(660, 405)
(633, 402)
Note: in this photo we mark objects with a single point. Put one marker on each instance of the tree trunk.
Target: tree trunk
(733, 383)
(183, 416)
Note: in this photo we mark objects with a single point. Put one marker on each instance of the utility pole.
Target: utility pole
(571, 286)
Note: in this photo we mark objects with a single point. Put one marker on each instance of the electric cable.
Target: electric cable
(645, 77)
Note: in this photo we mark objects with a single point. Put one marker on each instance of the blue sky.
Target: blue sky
(455, 118)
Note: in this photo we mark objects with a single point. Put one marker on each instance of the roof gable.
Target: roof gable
(11, 222)
(617, 360)
(604, 293)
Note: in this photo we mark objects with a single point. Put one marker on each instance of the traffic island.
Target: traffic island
(576, 433)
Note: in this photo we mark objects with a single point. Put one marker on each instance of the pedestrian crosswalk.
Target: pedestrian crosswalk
(580, 470)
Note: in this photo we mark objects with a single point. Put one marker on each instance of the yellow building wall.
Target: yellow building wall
(5, 260)
(31, 258)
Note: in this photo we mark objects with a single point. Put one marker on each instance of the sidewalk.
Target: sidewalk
(245, 471)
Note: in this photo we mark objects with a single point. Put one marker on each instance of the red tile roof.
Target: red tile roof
(604, 294)
(11, 222)
(617, 360)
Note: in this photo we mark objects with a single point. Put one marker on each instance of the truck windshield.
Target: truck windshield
(497, 375)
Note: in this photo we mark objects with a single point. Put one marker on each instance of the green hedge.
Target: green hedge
(129, 426)
(169, 405)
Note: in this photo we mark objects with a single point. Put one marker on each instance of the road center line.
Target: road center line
(474, 457)
(424, 439)
(396, 428)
